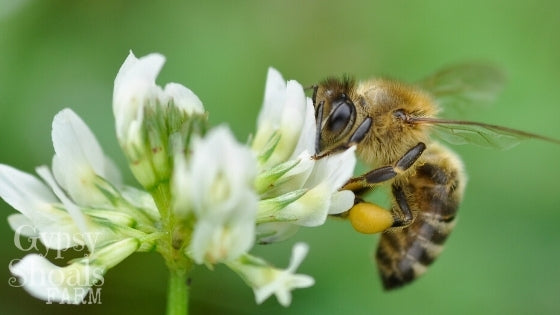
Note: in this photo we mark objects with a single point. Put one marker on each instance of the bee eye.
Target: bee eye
(341, 115)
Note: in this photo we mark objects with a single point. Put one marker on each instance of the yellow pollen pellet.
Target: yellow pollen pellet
(369, 218)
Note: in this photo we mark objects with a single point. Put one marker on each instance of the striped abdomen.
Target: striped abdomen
(433, 193)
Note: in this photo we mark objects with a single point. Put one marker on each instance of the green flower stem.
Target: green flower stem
(172, 247)
(178, 293)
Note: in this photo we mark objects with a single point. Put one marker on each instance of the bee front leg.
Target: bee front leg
(370, 218)
(356, 137)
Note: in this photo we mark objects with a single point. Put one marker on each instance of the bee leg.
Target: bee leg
(360, 132)
(370, 218)
(356, 137)
(402, 216)
(385, 173)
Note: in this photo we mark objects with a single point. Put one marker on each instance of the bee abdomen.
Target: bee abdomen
(434, 193)
(404, 255)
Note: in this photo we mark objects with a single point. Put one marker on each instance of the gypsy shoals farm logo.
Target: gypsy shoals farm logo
(67, 282)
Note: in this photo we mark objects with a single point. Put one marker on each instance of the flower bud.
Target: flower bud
(149, 119)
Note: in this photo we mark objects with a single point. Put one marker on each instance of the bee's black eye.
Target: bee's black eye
(341, 116)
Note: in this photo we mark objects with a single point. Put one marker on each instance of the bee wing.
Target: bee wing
(485, 135)
(464, 84)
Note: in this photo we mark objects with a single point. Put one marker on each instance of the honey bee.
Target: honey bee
(391, 123)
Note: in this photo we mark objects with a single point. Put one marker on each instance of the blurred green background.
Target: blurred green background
(503, 257)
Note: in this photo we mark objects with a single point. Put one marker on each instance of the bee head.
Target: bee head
(335, 112)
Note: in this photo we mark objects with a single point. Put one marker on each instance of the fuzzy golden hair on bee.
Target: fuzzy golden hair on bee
(389, 103)
(333, 86)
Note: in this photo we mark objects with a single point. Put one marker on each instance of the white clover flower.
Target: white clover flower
(80, 204)
(216, 188)
(135, 88)
(80, 168)
(328, 175)
(40, 213)
(267, 280)
(149, 119)
(70, 284)
(206, 200)
(285, 114)
(295, 188)
(76, 206)
(79, 160)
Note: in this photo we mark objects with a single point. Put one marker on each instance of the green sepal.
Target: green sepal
(266, 179)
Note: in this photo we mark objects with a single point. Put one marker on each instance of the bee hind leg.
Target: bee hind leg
(369, 218)
(402, 215)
